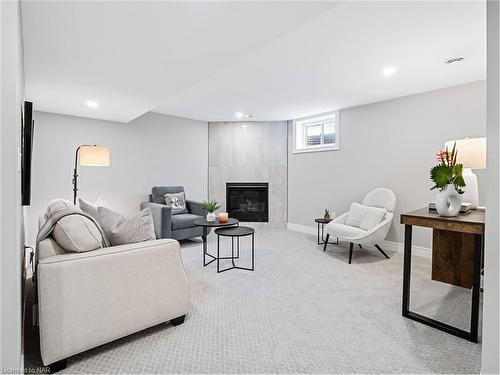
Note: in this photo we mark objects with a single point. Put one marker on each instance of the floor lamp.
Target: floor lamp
(471, 152)
(89, 155)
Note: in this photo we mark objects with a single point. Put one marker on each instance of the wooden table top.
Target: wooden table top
(470, 223)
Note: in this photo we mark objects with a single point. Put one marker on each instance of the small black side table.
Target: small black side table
(210, 224)
(235, 232)
(321, 223)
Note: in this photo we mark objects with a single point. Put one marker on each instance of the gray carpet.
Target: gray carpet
(301, 311)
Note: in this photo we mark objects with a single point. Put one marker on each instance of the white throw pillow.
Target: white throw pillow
(122, 230)
(364, 217)
(74, 233)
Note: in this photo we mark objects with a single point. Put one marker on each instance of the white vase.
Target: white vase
(210, 216)
(448, 201)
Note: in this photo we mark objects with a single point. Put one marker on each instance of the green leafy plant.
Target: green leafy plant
(448, 171)
(211, 205)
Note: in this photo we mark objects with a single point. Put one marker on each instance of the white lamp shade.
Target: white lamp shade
(94, 156)
(471, 152)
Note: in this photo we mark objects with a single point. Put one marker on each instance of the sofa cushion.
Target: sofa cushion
(177, 202)
(158, 192)
(123, 230)
(183, 221)
(364, 217)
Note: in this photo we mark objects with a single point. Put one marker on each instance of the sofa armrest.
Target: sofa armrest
(89, 299)
(162, 218)
(196, 208)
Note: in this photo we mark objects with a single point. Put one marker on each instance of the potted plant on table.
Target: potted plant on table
(211, 206)
(447, 177)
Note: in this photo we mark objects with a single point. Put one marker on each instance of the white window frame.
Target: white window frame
(299, 128)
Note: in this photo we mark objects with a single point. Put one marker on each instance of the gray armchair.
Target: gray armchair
(177, 226)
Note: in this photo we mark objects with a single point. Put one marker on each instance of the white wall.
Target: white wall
(490, 358)
(154, 149)
(392, 144)
(11, 229)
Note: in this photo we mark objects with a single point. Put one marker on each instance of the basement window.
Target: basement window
(316, 133)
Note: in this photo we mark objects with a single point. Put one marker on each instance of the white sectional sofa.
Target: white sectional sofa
(89, 299)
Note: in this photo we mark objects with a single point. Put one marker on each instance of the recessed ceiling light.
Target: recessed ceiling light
(92, 104)
(243, 115)
(454, 60)
(389, 71)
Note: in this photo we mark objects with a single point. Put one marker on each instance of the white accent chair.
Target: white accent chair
(379, 197)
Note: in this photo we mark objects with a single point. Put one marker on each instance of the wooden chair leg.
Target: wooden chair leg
(350, 252)
(382, 251)
(326, 241)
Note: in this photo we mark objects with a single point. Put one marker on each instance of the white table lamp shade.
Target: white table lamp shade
(471, 152)
(94, 156)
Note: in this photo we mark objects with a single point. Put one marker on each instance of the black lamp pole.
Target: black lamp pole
(75, 173)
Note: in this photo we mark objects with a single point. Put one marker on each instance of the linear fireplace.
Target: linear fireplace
(248, 201)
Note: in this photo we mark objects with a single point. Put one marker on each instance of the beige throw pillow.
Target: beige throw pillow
(75, 233)
(122, 230)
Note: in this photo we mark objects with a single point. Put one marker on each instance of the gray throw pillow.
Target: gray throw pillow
(91, 208)
(177, 201)
(122, 230)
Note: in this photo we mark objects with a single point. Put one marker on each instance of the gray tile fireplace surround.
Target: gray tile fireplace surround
(249, 152)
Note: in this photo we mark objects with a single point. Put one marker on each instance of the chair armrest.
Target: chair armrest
(89, 299)
(341, 219)
(196, 208)
(376, 234)
(162, 218)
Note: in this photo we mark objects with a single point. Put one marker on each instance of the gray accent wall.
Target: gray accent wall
(154, 149)
(391, 144)
(249, 152)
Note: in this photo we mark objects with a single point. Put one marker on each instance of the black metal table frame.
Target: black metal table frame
(471, 335)
(232, 257)
(322, 242)
(205, 246)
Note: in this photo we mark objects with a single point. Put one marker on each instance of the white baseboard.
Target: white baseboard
(389, 245)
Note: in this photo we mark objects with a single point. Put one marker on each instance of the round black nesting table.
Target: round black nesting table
(322, 222)
(235, 233)
(206, 226)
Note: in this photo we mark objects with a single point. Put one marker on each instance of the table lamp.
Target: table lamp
(472, 154)
(89, 155)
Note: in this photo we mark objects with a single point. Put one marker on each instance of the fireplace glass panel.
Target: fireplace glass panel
(247, 201)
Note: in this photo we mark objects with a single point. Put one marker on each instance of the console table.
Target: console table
(457, 246)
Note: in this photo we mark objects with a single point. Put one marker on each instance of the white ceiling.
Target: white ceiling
(275, 60)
